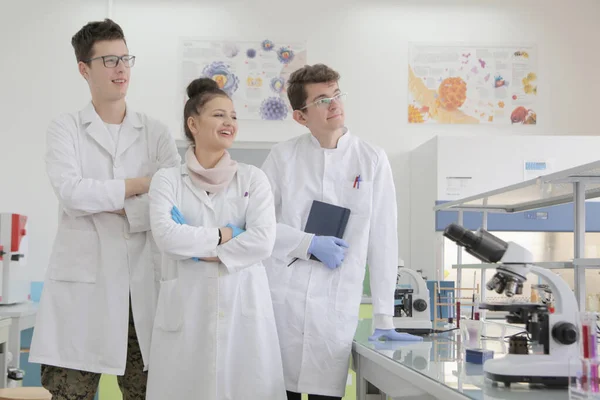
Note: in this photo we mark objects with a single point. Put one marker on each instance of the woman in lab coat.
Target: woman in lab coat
(214, 335)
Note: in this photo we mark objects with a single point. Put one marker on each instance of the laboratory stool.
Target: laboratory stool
(25, 393)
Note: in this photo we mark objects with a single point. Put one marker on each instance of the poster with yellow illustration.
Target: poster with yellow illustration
(461, 84)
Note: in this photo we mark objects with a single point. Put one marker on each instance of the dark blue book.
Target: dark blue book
(326, 219)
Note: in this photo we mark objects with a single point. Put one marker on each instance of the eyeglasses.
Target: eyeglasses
(326, 102)
(113, 61)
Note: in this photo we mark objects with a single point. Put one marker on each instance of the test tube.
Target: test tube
(585, 347)
(593, 353)
(476, 313)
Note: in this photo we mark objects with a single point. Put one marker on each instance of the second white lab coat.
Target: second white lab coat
(99, 258)
(316, 308)
(215, 336)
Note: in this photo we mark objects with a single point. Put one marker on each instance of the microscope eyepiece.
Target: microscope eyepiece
(460, 235)
(481, 244)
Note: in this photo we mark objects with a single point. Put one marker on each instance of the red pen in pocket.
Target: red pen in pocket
(357, 181)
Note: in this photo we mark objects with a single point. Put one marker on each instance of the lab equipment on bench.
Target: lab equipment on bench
(585, 379)
(554, 335)
(478, 356)
(411, 305)
(16, 282)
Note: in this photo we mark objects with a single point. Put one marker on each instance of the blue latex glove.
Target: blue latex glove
(391, 334)
(329, 250)
(235, 229)
(178, 217)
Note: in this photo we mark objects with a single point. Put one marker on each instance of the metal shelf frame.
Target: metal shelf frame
(573, 185)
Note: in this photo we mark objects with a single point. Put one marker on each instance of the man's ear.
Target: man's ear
(83, 69)
(299, 117)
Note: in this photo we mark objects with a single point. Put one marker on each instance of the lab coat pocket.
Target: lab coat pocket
(169, 313)
(254, 293)
(75, 256)
(358, 199)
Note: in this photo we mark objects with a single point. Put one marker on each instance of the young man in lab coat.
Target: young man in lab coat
(99, 299)
(316, 303)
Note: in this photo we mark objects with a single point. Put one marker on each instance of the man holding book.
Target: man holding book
(336, 182)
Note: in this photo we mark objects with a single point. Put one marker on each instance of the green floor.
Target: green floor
(109, 390)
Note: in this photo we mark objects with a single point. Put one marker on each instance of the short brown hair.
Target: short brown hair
(318, 73)
(96, 31)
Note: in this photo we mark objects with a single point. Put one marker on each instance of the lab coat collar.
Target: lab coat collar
(200, 194)
(342, 143)
(129, 132)
(96, 129)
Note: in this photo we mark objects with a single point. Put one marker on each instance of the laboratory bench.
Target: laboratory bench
(23, 317)
(434, 368)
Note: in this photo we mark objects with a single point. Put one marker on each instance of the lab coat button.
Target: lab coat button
(126, 235)
(221, 314)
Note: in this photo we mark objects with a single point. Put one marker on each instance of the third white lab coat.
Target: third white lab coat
(99, 257)
(316, 308)
(215, 336)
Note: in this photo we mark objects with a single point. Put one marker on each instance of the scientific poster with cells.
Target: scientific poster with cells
(253, 73)
(461, 84)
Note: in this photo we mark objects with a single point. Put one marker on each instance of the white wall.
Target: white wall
(40, 77)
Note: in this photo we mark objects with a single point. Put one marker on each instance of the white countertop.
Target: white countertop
(5, 322)
(19, 310)
(440, 359)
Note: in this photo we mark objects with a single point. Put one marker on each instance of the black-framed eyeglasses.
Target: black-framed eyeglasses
(113, 61)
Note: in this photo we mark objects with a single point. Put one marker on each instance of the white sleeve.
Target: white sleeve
(137, 211)
(382, 256)
(256, 243)
(78, 196)
(290, 242)
(175, 240)
(137, 208)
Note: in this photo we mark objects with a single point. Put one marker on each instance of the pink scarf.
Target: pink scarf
(211, 180)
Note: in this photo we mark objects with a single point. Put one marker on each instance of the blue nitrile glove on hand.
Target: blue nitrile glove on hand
(178, 217)
(329, 250)
(236, 231)
(391, 334)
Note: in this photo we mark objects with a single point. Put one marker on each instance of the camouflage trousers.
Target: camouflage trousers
(69, 384)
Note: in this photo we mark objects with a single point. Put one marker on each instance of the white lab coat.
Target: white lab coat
(316, 308)
(99, 257)
(215, 335)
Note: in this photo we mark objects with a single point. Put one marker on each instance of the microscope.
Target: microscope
(411, 306)
(545, 357)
